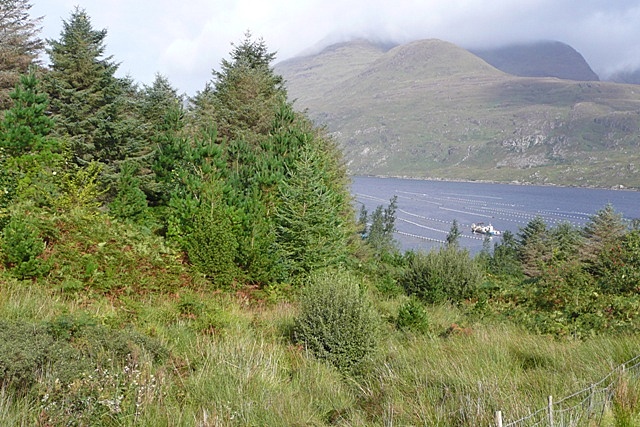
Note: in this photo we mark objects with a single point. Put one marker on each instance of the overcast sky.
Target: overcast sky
(185, 39)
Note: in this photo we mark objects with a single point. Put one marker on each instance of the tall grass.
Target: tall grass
(246, 371)
(231, 360)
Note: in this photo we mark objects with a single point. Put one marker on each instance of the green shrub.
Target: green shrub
(447, 274)
(23, 354)
(337, 322)
(412, 316)
(21, 247)
(619, 265)
(130, 202)
(80, 373)
(212, 245)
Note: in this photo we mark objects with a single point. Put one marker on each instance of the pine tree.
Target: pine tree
(602, 231)
(26, 125)
(505, 259)
(312, 230)
(244, 96)
(605, 227)
(161, 107)
(92, 108)
(381, 228)
(20, 45)
(566, 241)
(453, 238)
(28, 156)
(533, 248)
(130, 202)
(280, 178)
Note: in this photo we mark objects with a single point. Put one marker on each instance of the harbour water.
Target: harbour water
(427, 209)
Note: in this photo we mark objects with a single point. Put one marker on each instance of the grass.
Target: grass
(245, 371)
(227, 357)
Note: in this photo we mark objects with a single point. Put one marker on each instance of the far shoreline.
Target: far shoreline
(619, 187)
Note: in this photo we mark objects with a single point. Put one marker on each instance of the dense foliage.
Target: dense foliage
(448, 274)
(337, 322)
(20, 45)
(160, 257)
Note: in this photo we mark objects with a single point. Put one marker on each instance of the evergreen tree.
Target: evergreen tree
(453, 238)
(91, 106)
(161, 107)
(533, 247)
(189, 168)
(566, 241)
(130, 202)
(244, 96)
(312, 229)
(505, 259)
(28, 157)
(162, 110)
(211, 244)
(20, 45)
(381, 228)
(280, 178)
(619, 265)
(603, 229)
(25, 125)
(362, 227)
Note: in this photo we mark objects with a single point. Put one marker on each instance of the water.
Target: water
(426, 209)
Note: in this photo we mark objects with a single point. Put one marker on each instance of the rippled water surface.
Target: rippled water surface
(426, 209)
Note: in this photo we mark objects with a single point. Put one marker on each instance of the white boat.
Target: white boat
(481, 228)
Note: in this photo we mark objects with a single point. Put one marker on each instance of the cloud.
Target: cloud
(185, 41)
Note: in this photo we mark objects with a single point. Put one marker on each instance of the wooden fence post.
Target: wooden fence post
(550, 410)
(499, 418)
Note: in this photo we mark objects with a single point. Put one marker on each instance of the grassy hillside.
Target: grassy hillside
(121, 332)
(430, 109)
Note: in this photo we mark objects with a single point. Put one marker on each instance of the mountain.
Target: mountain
(631, 77)
(430, 109)
(540, 59)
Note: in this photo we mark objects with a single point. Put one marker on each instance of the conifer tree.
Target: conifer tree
(533, 247)
(91, 106)
(275, 164)
(26, 125)
(505, 259)
(161, 107)
(605, 227)
(130, 202)
(28, 156)
(312, 229)
(453, 238)
(602, 231)
(20, 45)
(244, 96)
(382, 226)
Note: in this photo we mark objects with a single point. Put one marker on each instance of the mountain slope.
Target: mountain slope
(313, 75)
(541, 59)
(632, 77)
(430, 109)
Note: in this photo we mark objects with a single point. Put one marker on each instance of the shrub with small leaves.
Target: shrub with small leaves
(448, 274)
(212, 245)
(23, 354)
(82, 373)
(21, 246)
(337, 322)
(412, 316)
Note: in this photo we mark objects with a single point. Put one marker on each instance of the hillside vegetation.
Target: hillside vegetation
(163, 265)
(430, 109)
